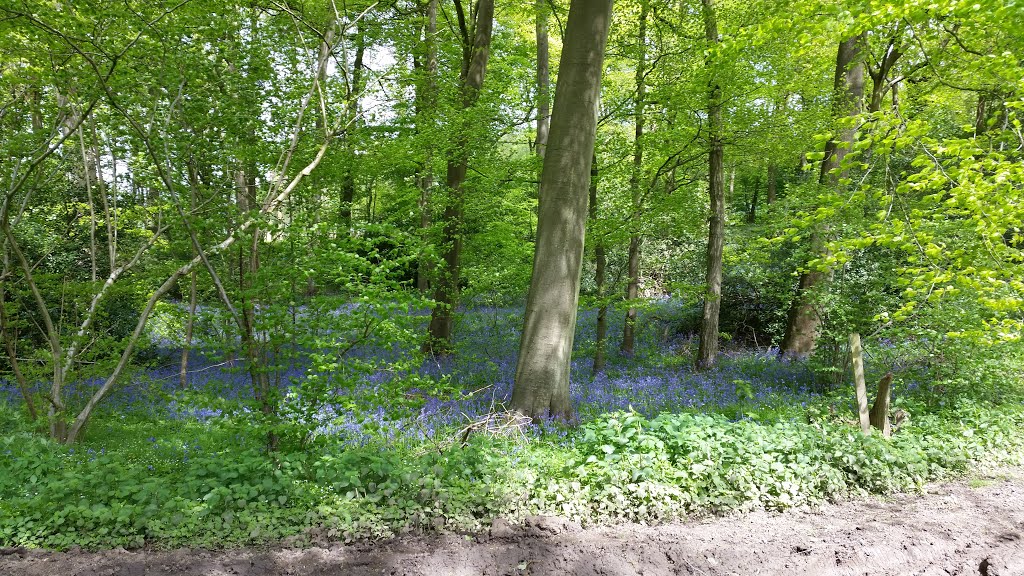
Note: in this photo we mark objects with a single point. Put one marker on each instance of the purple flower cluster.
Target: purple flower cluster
(482, 369)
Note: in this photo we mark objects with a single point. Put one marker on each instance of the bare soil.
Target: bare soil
(961, 528)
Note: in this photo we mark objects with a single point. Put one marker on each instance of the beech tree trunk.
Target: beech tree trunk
(803, 319)
(476, 47)
(633, 260)
(545, 351)
(708, 333)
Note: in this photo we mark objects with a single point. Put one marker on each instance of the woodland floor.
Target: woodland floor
(957, 528)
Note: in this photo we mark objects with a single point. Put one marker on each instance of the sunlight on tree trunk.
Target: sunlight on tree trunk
(542, 372)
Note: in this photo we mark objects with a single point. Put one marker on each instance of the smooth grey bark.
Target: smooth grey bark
(476, 48)
(849, 94)
(110, 204)
(803, 320)
(545, 350)
(633, 258)
(708, 332)
(314, 238)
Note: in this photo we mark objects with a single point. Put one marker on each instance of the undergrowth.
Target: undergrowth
(170, 490)
(656, 441)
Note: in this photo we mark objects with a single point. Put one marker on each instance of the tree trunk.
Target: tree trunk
(600, 262)
(857, 356)
(248, 267)
(426, 104)
(56, 411)
(880, 73)
(476, 49)
(803, 319)
(879, 415)
(353, 92)
(101, 189)
(771, 191)
(88, 173)
(314, 239)
(752, 209)
(708, 333)
(981, 115)
(186, 347)
(633, 262)
(628, 345)
(545, 351)
(543, 79)
(112, 221)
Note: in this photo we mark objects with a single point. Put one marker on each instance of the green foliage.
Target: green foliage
(194, 484)
(679, 463)
(197, 116)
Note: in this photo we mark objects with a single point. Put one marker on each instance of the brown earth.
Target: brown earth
(951, 529)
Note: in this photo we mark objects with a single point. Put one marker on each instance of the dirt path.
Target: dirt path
(953, 529)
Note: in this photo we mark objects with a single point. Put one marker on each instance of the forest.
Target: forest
(350, 269)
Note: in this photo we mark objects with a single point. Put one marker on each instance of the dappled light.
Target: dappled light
(466, 287)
